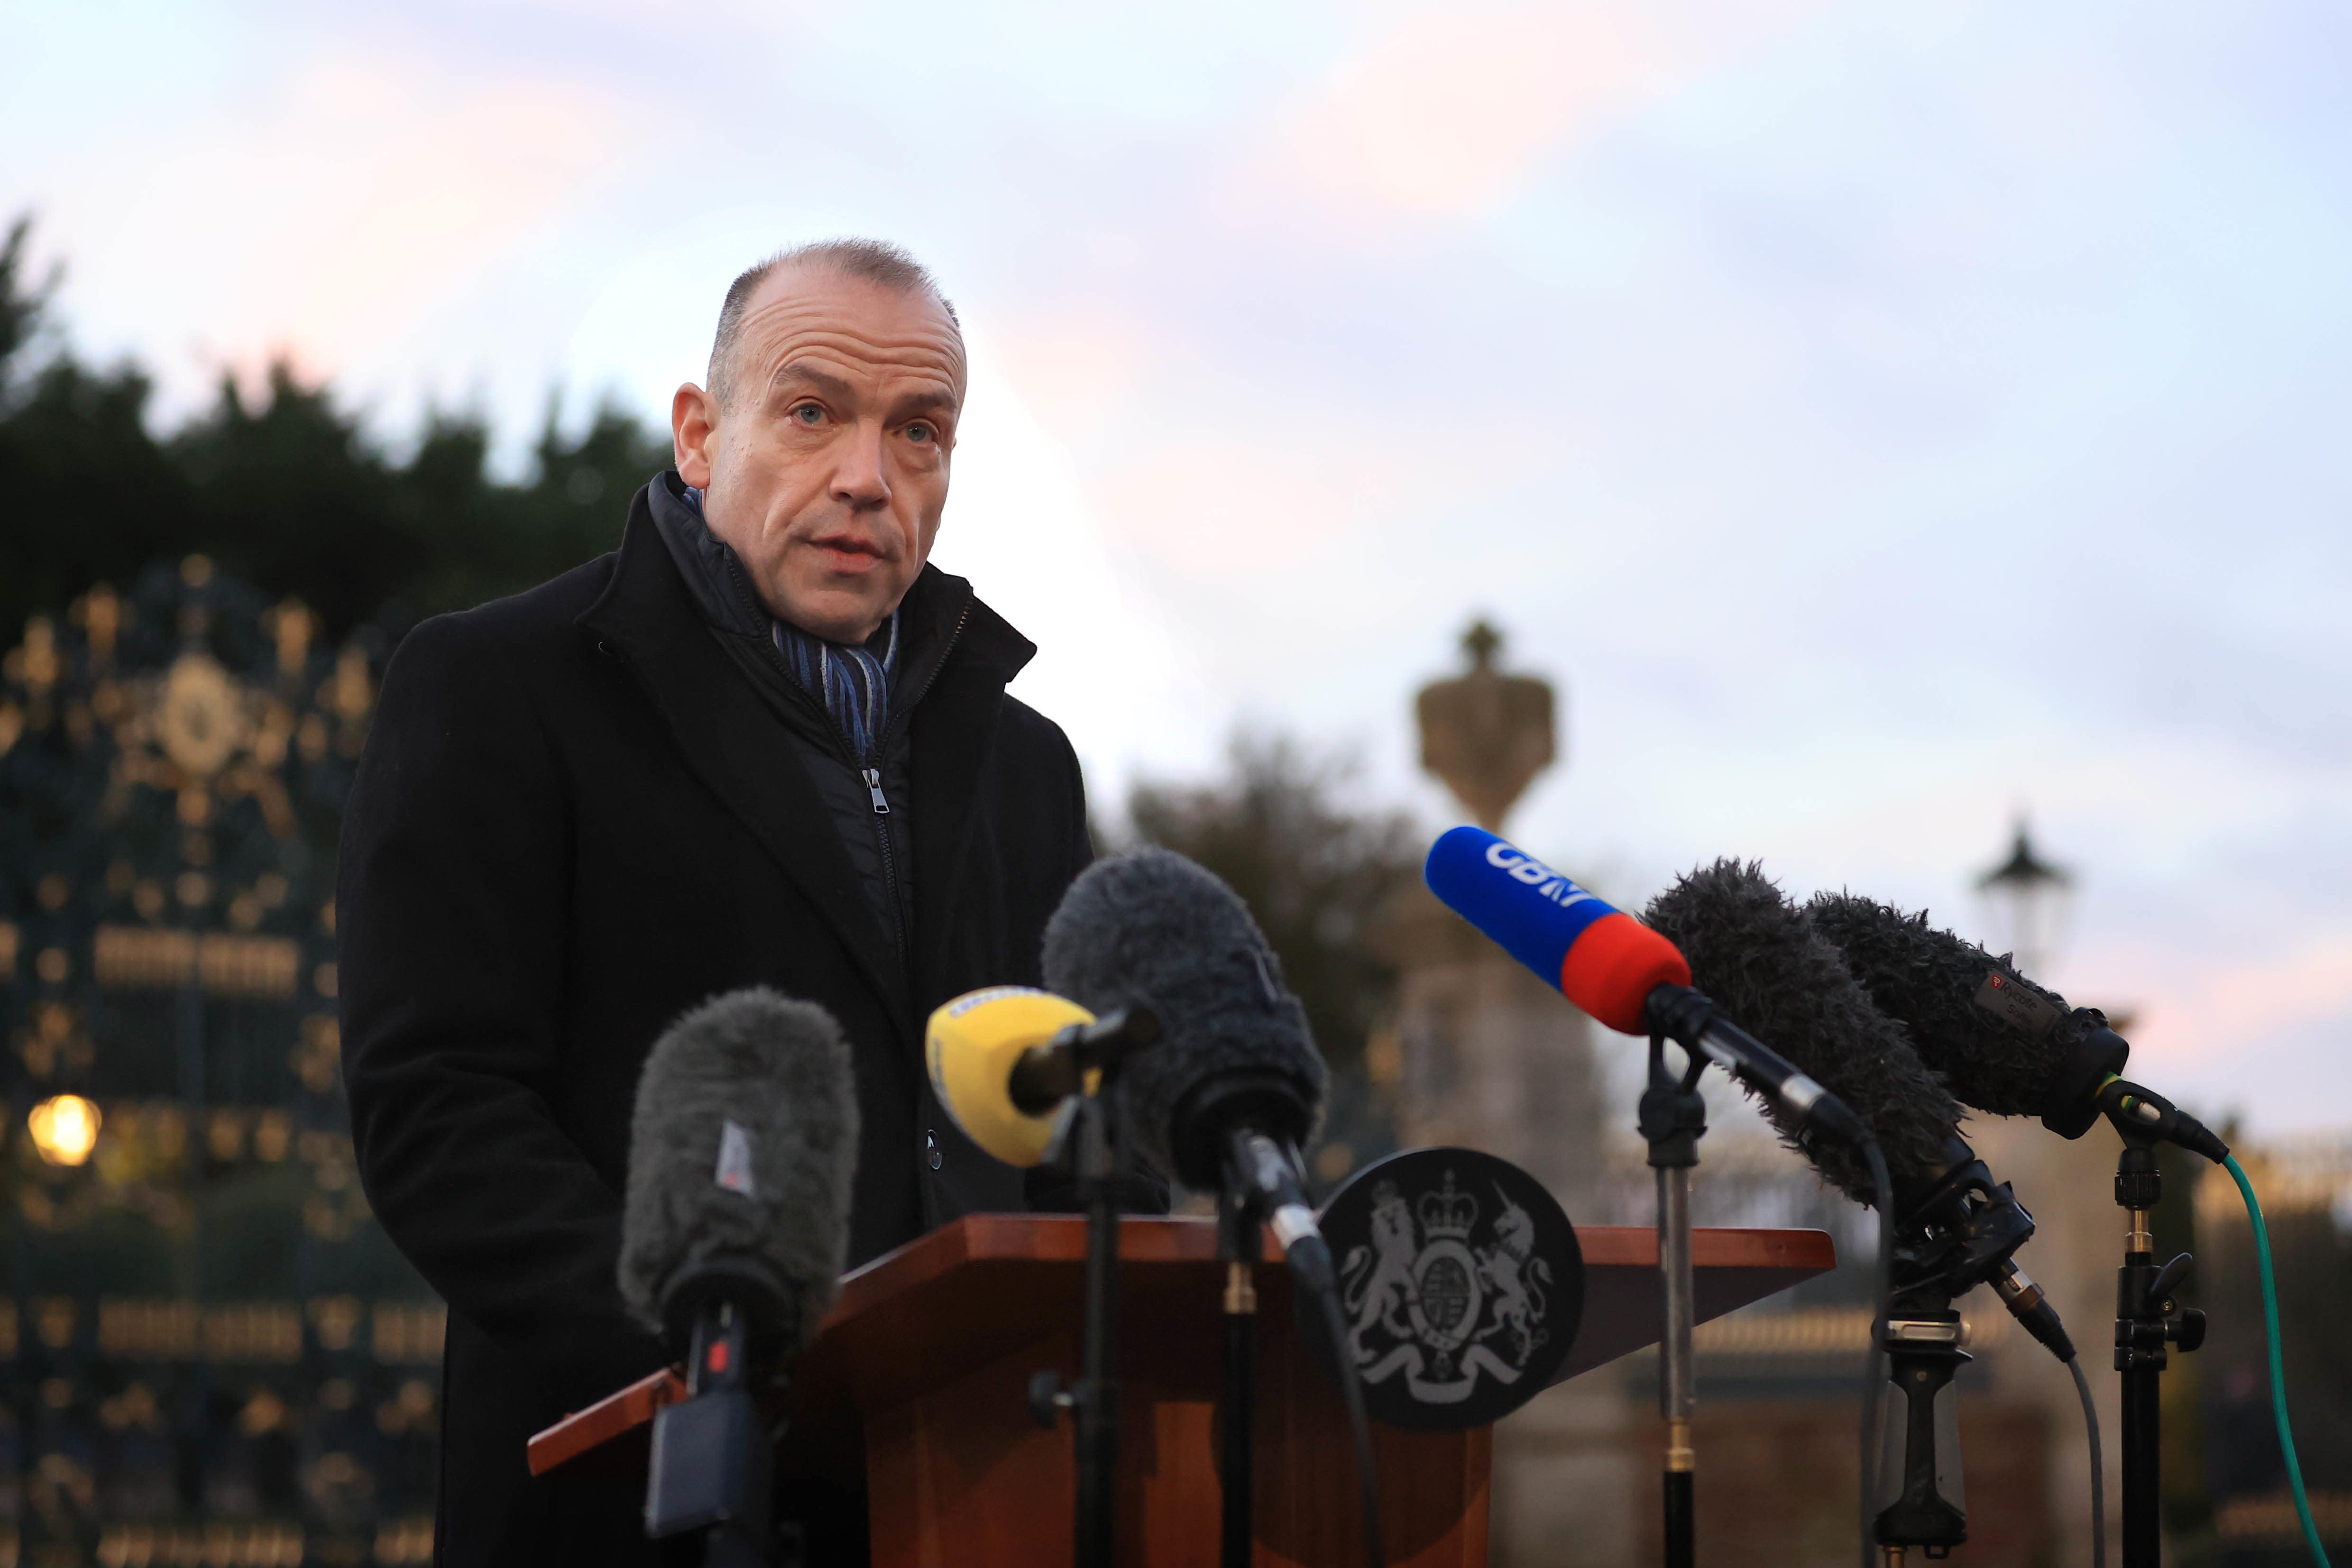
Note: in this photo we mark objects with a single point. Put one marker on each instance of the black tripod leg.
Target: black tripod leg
(2143, 1474)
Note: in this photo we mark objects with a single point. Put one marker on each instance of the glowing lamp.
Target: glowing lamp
(64, 1129)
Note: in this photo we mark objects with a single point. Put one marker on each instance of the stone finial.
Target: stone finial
(1486, 734)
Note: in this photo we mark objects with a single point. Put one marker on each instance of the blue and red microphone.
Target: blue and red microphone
(1621, 971)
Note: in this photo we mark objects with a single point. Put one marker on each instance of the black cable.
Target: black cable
(2098, 1468)
(1874, 1365)
(1351, 1390)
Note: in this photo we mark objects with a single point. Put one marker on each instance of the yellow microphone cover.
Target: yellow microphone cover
(971, 1044)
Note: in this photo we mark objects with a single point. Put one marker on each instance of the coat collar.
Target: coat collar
(653, 621)
(939, 618)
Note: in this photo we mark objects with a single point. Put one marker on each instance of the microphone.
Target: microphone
(1758, 952)
(742, 1149)
(1755, 954)
(995, 1064)
(2004, 1044)
(1630, 977)
(1236, 1085)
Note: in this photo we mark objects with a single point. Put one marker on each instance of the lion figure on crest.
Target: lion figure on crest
(1379, 1277)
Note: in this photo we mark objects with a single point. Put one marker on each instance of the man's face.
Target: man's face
(827, 470)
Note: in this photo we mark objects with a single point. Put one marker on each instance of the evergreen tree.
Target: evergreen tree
(290, 492)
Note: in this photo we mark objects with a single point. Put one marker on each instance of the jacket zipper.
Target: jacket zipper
(868, 769)
(872, 774)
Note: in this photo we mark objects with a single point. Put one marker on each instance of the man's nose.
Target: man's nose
(858, 481)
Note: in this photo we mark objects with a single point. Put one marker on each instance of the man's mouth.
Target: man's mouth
(849, 555)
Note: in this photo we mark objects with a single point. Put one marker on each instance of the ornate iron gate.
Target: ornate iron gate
(215, 1354)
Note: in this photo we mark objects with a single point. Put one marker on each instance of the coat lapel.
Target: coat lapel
(647, 618)
(951, 732)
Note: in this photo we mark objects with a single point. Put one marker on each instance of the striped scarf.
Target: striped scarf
(852, 680)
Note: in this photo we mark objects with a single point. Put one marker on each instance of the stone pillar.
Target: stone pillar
(1490, 1058)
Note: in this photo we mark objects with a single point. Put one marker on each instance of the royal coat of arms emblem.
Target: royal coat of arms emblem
(1461, 1282)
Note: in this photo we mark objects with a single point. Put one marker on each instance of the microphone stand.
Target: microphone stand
(1673, 1120)
(1237, 1249)
(1095, 1400)
(1088, 1139)
(2148, 1319)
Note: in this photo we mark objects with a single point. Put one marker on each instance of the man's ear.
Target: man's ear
(693, 433)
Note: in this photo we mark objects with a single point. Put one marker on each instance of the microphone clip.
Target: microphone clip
(1077, 1057)
(1068, 1076)
(2145, 1117)
(1672, 1113)
(1959, 1233)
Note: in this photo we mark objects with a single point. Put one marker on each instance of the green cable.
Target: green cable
(2278, 1365)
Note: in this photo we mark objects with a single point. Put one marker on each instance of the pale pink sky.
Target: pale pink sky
(1875, 416)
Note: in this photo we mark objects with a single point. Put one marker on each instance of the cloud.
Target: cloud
(1109, 668)
(1224, 508)
(1445, 113)
(1869, 417)
(2275, 994)
(325, 218)
(1084, 365)
(2261, 1029)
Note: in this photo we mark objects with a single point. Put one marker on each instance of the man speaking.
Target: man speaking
(764, 743)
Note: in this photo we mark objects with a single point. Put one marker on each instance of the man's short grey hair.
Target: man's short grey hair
(875, 260)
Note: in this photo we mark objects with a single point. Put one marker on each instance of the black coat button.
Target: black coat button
(931, 1142)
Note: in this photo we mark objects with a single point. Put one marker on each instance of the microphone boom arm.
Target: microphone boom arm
(1689, 1018)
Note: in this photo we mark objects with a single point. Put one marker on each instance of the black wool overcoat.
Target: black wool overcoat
(575, 818)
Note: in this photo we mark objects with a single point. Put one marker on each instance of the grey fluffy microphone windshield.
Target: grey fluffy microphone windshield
(1153, 930)
(1750, 948)
(2003, 1043)
(742, 1152)
(1752, 952)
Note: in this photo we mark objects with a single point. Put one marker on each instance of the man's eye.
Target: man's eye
(920, 431)
(809, 414)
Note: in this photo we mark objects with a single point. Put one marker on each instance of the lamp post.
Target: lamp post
(2030, 900)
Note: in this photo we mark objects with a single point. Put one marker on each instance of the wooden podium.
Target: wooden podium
(921, 1376)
